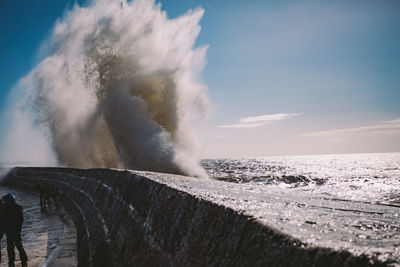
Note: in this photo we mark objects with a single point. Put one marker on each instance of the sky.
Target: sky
(283, 77)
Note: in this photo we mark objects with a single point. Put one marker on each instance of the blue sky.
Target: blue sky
(23, 27)
(324, 72)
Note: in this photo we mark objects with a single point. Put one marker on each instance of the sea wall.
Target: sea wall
(126, 218)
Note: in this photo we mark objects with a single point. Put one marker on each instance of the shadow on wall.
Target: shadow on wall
(3, 173)
(124, 218)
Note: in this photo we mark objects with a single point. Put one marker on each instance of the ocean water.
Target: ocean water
(347, 202)
(373, 178)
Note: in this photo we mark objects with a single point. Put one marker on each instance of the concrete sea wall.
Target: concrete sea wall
(126, 218)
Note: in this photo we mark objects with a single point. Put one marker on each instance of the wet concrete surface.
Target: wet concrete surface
(49, 237)
(128, 217)
(358, 227)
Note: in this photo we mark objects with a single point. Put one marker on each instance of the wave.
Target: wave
(119, 88)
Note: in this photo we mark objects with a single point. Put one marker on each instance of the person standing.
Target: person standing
(13, 219)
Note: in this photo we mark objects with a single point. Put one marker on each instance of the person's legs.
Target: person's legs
(10, 250)
(42, 207)
(22, 254)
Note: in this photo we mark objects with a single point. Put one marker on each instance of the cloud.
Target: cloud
(242, 125)
(396, 121)
(340, 134)
(259, 121)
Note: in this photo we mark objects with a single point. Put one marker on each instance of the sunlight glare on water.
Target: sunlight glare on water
(371, 178)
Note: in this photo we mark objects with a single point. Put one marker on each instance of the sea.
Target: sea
(346, 201)
(373, 178)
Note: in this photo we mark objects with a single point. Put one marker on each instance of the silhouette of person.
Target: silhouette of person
(13, 219)
(40, 188)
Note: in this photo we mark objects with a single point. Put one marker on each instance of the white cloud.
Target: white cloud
(393, 121)
(339, 134)
(259, 121)
(242, 125)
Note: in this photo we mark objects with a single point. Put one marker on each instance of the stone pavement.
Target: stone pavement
(49, 238)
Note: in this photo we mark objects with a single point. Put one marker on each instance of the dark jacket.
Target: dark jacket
(13, 219)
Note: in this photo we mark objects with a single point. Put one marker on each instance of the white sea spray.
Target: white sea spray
(119, 88)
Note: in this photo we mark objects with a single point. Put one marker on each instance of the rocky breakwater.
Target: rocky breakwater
(129, 218)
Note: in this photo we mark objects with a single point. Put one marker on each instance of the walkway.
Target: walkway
(49, 238)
